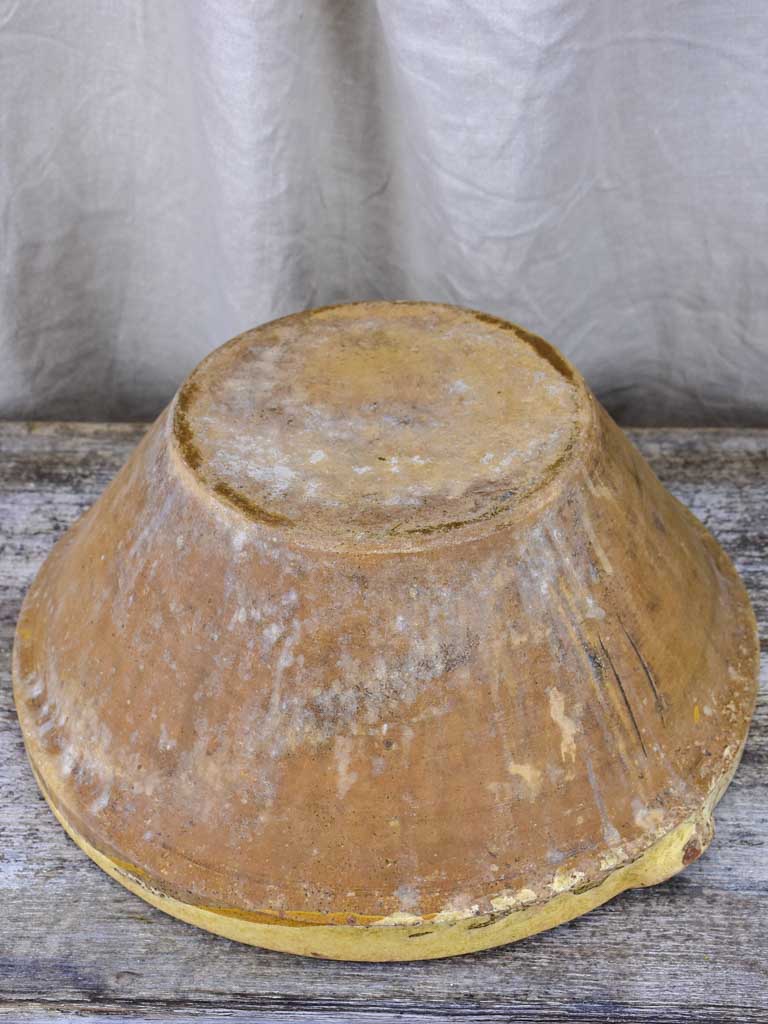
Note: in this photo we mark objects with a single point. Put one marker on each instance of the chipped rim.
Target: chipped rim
(389, 939)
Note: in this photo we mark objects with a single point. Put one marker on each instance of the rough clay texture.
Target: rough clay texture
(329, 720)
(372, 423)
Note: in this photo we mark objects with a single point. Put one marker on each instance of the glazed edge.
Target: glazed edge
(388, 940)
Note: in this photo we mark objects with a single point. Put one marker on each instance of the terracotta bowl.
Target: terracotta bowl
(385, 644)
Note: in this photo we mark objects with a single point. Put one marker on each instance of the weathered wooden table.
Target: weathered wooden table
(74, 945)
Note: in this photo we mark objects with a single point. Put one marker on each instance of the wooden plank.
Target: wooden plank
(74, 945)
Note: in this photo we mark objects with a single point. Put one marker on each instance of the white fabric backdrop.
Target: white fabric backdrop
(174, 171)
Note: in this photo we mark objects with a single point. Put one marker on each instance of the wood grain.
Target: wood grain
(74, 945)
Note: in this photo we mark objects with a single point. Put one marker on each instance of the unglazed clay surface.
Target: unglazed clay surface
(385, 632)
(368, 427)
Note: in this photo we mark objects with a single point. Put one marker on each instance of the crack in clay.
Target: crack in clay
(627, 704)
(659, 701)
